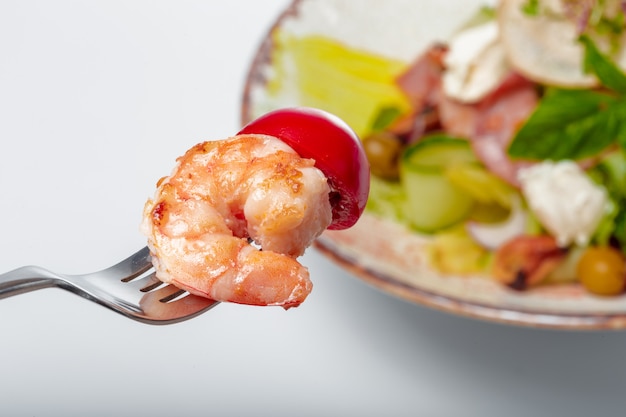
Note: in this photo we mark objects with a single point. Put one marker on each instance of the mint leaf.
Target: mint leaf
(571, 124)
(609, 74)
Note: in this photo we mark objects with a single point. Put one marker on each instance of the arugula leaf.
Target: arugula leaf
(603, 67)
(570, 124)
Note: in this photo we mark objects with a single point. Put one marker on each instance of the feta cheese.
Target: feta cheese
(565, 200)
(475, 63)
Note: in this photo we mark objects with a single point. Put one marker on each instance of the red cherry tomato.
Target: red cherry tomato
(337, 152)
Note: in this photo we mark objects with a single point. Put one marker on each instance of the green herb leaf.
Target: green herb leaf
(619, 232)
(571, 124)
(385, 117)
(484, 15)
(610, 173)
(531, 8)
(603, 67)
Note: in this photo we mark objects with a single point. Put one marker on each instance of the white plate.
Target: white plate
(386, 254)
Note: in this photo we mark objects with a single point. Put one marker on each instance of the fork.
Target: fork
(129, 288)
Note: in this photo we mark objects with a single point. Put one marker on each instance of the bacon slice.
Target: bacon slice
(499, 118)
(421, 83)
(492, 123)
(456, 118)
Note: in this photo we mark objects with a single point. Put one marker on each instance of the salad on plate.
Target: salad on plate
(504, 144)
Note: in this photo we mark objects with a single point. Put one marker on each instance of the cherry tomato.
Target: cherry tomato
(337, 152)
(602, 270)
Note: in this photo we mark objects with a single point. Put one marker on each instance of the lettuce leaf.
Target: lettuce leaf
(386, 199)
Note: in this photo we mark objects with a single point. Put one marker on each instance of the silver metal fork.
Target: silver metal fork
(129, 288)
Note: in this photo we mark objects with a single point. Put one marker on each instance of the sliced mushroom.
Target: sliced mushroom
(544, 47)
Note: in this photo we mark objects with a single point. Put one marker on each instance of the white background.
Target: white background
(97, 98)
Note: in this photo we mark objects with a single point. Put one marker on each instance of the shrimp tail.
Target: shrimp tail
(254, 277)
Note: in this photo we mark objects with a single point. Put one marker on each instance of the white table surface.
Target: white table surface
(97, 98)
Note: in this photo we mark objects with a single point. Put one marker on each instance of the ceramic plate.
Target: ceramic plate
(382, 253)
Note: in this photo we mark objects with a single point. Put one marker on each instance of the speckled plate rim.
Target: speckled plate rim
(458, 306)
(389, 283)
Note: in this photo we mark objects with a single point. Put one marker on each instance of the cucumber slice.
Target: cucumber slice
(481, 184)
(433, 202)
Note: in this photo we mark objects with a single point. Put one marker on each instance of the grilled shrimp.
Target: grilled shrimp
(232, 218)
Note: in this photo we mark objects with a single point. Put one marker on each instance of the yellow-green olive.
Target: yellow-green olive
(383, 150)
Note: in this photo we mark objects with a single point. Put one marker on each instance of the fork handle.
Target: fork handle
(26, 279)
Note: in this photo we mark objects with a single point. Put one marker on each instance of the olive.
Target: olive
(383, 150)
(602, 270)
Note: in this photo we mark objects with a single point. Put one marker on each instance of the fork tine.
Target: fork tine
(177, 308)
(166, 293)
(143, 283)
(153, 284)
(173, 296)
